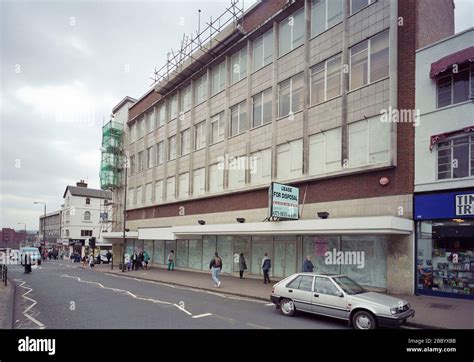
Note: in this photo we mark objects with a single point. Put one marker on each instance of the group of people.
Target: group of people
(138, 261)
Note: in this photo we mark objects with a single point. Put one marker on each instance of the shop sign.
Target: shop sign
(465, 205)
(283, 201)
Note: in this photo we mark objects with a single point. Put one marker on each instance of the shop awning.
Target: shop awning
(441, 65)
(163, 233)
(376, 225)
(440, 137)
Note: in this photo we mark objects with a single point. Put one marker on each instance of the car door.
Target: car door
(328, 299)
(300, 291)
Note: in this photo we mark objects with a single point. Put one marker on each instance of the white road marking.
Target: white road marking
(269, 305)
(34, 302)
(202, 315)
(182, 309)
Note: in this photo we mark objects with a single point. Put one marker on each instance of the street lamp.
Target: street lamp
(24, 237)
(44, 226)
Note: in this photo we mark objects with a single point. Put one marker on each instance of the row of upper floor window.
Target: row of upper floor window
(368, 58)
(368, 144)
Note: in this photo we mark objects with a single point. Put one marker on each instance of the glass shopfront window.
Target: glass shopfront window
(260, 246)
(445, 257)
(148, 247)
(285, 256)
(129, 246)
(181, 253)
(158, 252)
(170, 245)
(138, 246)
(195, 255)
(224, 248)
(208, 250)
(241, 245)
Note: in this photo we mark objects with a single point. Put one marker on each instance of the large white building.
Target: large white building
(444, 167)
(82, 214)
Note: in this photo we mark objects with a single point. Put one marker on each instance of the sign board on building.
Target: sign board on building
(465, 205)
(283, 201)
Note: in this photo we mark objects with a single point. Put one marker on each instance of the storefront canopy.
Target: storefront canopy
(376, 225)
(441, 65)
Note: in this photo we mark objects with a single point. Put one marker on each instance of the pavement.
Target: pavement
(6, 305)
(431, 312)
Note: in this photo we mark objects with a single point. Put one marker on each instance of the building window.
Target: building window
(141, 161)
(454, 87)
(217, 128)
(367, 69)
(140, 126)
(88, 201)
(183, 187)
(325, 151)
(237, 173)
(216, 178)
(218, 78)
(200, 135)
(326, 80)
(171, 148)
(161, 115)
(139, 191)
(160, 153)
(148, 193)
(262, 108)
(174, 106)
(261, 167)
(199, 184)
(238, 63)
(132, 165)
(185, 142)
(159, 191)
(185, 99)
(133, 132)
(324, 15)
(170, 188)
(292, 32)
(357, 5)
(83, 232)
(290, 95)
(263, 50)
(290, 160)
(148, 122)
(87, 216)
(149, 157)
(201, 89)
(456, 158)
(238, 119)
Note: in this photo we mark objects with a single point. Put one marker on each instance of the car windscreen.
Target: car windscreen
(349, 286)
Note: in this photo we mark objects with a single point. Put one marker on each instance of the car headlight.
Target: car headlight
(394, 310)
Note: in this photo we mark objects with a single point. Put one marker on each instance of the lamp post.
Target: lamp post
(24, 237)
(44, 226)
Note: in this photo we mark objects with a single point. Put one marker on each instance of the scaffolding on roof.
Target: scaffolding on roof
(193, 48)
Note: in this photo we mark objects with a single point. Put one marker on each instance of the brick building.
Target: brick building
(292, 92)
(10, 238)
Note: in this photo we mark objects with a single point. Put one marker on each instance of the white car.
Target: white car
(340, 297)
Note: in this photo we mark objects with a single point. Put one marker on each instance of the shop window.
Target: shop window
(209, 247)
(158, 252)
(455, 158)
(181, 253)
(195, 255)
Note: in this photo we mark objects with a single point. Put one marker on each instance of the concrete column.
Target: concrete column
(393, 72)
(274, 99)
(193, 146)
(249, 107)
(306, 86)
(345, 82)
(166, 147)
(178, 145)
(228, 68)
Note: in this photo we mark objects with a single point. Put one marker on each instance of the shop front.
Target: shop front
(327, 242)
(445, 244)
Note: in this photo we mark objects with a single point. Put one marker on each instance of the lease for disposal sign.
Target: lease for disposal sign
(284, 201)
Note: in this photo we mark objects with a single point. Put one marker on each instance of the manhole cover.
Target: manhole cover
(440, 306)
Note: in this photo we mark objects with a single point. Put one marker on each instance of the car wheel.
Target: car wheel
(287, 307)
(363, 320)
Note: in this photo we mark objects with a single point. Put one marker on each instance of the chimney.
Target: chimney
(81, 184)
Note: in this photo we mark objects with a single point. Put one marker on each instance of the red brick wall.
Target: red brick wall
(435, 21)
(143, 104)
(262, 13)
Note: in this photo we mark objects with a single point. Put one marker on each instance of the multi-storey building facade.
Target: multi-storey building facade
(10, 238)
(52, 227)
(444, 167)
(81, 214)
(291, 93)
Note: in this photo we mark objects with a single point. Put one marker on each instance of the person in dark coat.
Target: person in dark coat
(242, 265)
(308, 266)
(266, 265)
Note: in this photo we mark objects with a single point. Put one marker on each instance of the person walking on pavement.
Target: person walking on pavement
(134, 261)
(146, 259)
(26, 261)
(242, 265)
(216, 267)
(91, 260)
(171, 260)
(141, 260)
(308, 266)
(266, 265)
(109, 256)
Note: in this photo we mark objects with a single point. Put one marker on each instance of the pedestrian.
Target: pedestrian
(91, 261)
(146, 259)
(141, 259)
(99, 259)
(109, 256)
(266, 265)
(84, 260)
(26, 261)
(308, 266)
(134, 261)
(242, 265)
(171, 260)
(216, 267)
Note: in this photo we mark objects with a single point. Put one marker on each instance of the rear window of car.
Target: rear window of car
(302, 282)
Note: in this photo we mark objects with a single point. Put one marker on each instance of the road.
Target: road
(60, 295)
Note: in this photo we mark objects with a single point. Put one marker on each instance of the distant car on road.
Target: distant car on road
(34, 253)
(340, 297)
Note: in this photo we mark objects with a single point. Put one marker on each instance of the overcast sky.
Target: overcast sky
(64, 66)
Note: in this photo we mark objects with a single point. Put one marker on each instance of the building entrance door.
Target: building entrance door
(284, 263)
